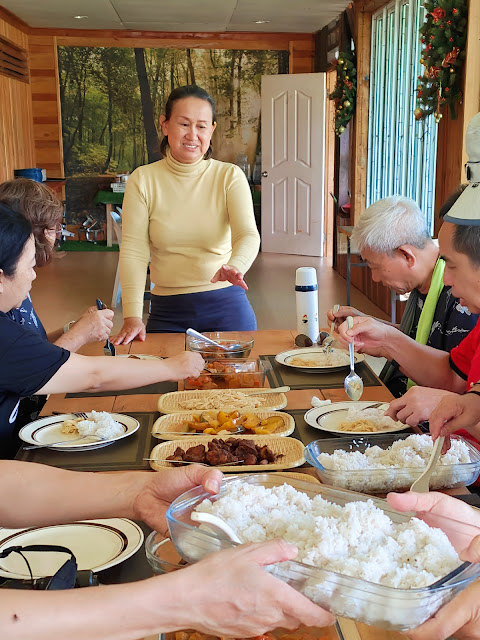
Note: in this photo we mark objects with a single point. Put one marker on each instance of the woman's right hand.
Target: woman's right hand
(133, 328)
(186, 364)
(229, 593)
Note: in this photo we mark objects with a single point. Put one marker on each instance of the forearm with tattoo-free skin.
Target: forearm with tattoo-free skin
(426, 366)
(228, 593)
(89, 373)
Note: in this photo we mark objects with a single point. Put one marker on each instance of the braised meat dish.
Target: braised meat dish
(220, 452)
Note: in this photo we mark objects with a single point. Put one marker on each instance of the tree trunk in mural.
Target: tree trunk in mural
(151, 134)
(190, 67)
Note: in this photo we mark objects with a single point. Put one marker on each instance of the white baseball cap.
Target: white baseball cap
(466, 210)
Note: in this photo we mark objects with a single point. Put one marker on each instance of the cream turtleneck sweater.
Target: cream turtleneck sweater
(188, 220)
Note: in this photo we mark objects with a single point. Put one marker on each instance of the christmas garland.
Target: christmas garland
(345, 91)
(443, 36)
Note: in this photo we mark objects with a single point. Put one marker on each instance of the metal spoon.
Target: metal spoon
(422, 484)
(353, 384)
(327, 343)
(223, 347)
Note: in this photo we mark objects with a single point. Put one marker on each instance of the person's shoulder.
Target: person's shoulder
(147, 170)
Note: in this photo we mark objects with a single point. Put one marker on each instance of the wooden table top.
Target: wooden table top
(266, 342)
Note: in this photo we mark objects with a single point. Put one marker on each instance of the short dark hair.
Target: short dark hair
(465, 238)
(187, 91)
(40, 206)
(15, 230)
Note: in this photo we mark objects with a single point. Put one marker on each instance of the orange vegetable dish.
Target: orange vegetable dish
(213, 423)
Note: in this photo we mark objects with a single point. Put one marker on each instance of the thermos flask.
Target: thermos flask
(306, 293)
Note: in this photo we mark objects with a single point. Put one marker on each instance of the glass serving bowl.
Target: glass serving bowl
(378, 605)
(239, 345)
(161, 554)
(229, 374)
(384, 480)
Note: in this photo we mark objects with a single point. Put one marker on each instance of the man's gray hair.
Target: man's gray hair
(390, 223)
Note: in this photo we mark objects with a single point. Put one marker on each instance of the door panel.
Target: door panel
(293, 140)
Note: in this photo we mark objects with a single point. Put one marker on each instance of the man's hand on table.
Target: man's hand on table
(133, 328)
(416, 405)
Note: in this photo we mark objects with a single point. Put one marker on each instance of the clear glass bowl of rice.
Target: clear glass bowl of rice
(392, 463)
(358, 598)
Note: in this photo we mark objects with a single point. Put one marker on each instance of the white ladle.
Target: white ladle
(215, 524)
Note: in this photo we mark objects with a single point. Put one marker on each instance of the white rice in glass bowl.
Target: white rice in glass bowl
(357, 540)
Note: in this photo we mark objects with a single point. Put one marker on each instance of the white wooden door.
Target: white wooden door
(293, 156)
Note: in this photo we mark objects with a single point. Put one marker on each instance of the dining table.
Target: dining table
(142, 403)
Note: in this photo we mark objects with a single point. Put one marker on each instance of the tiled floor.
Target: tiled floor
(72, 282)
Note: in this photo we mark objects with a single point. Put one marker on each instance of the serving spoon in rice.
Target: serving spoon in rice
(422, 484)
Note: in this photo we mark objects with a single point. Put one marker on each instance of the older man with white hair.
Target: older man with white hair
(393, 238)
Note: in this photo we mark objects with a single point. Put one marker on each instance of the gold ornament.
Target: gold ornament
(347, 78)
(422, 61)
(438, 117)
(418, 113)
(341, 129)
(346, 103)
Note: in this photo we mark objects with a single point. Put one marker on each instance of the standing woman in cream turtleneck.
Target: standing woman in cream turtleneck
(192, 218)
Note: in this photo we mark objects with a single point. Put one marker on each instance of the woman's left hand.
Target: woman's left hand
(226, 272)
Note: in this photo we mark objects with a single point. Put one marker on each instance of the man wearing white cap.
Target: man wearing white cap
(443, 373)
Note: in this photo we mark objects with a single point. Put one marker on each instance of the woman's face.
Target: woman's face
(14, 289)
(189, 129)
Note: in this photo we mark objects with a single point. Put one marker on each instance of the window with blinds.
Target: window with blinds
(13, 60)
(401, 150)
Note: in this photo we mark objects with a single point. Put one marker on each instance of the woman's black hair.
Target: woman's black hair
(188, 91)
(15, 230)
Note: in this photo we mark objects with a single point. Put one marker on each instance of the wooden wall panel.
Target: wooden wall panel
(47, 122)
(16, 121)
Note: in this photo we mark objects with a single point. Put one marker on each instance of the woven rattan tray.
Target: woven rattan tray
(291, 448)
(169, 402)
(173, 422)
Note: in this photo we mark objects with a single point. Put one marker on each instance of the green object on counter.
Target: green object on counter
(83, 245)
(108, 197)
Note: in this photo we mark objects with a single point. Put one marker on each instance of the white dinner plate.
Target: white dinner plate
(96, 544)
(286, 358)
(328, 417)
(47, 430)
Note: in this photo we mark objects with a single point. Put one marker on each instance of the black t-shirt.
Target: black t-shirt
(27, 363)
(451, 324)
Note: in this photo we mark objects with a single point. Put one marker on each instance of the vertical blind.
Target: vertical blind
(401, 150)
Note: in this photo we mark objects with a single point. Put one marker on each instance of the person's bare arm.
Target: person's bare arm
(89, 373)
(228, 593)
(426, 366)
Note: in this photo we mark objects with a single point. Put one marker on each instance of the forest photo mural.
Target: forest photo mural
(111, 99)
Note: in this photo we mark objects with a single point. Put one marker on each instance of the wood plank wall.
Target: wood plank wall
(47, 121)
(16, 124)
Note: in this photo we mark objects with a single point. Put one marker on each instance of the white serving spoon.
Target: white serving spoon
(215, 524)
(422, 484)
